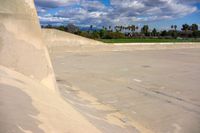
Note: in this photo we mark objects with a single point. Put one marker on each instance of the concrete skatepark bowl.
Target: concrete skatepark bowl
(92, 87)
(29, 100)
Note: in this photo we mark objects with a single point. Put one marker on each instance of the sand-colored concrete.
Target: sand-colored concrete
(60, 41)
(111, 47)
(26, 106)
(152, 91)
(21, 45)
(98, 91)
(29, 100)
(57, 38)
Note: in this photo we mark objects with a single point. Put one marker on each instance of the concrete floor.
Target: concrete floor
(137, 91)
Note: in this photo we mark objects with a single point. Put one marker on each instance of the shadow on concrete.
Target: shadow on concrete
(17, 114)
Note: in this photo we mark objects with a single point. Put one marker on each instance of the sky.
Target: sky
(160, 14)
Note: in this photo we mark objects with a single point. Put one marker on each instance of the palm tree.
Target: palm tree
(185, 27)
(116, 28)
(133, 27)
(145, 29)
(136, 27)
(175, 27)
(194, 27)
(154, 32)
(91, 26)
(109, 27)
(172, 27)
(121, 27)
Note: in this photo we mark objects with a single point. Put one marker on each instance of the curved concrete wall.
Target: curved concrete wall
(56, 38)
(21, 45)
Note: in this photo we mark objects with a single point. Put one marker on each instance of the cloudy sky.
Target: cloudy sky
(157, 13)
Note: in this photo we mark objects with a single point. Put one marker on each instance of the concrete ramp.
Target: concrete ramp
(55, 38)
(29, 107)
(21, 46)
(60, 41)
(27, 102)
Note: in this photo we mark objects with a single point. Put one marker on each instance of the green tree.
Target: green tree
(120, 28)
(110, 27)
(145, 30)
(95, 35)
(173, 34)
(164, 33)
(63, 28)
(194, 27)
(172, 27)
(133, 27)
(117, 28)
(113, 35)
(196, 34)
(185, 27)
(91, 27)
(72, 28)
(136, 27)
(175, 27)
(154, 32)
(102, 33)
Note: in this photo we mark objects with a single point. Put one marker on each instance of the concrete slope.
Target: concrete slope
(29, 107)
(28, 100)
(59, 41)
(21, 46)
(55, 38)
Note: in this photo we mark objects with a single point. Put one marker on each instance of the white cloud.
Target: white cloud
(54, 3)
(119, 12)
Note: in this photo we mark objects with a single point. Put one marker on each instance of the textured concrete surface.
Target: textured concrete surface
(21, 45)
(150, 91)
(57, 38)
(27, 106)
(29, 100)
(59, 41)
(137, 91)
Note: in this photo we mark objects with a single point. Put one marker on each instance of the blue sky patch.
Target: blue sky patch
(160, 14)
